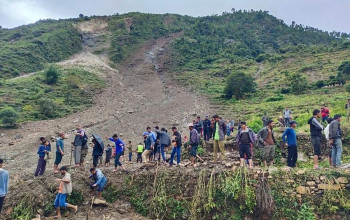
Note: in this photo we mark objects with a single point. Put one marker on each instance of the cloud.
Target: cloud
(22, 12)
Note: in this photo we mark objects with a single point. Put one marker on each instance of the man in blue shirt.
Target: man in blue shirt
(100, 180)
(59, 151)
(119, 148)
(4, 183)
(291, 143)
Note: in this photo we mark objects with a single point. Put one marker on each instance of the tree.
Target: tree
(344, 70)
(9, 117)
(298, 83)
(51, 75)
(81, 16)
(239, 84)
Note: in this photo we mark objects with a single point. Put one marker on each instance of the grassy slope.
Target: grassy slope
(29, 48)
(25, 94)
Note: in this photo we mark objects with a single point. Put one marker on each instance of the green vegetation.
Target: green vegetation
(29, 48)
(34, 99)
(51, 75)
(9, 117)
(239, 85)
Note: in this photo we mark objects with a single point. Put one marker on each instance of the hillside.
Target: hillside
(122, 73)
(28, 48)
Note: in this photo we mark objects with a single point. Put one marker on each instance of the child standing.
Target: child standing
(130, 151)
(108, 155)
(139, 152)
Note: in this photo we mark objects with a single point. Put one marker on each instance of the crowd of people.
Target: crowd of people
(156, 142)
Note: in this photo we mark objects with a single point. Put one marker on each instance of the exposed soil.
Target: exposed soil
(139, 93)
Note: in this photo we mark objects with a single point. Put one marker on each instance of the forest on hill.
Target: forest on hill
(282, 62)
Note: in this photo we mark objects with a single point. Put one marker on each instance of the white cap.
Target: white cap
(190, 125)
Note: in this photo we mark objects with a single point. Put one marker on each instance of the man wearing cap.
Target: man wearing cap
(289, 138)
(316, 134)
(267, 140)
(177, 147)
(4, 183)
(219, 131)
(347, 107)
(206, 128)
(335, 134)
(194, 142)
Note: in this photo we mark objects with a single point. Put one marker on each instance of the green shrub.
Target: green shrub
(347, 87)
(51, 75)
(239, 84)
(47, 108)
(75, 198)
(9, 117)
(255, 124)
(285, 90)
(275, 98)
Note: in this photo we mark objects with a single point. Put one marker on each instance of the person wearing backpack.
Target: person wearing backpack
(80, 140)
(65, 187)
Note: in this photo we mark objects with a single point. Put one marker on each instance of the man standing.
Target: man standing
(59, 151)
(164, 141)
(335, 140)
(194, 142)
(324, 113)
(347, 107)
(291, 143)
(267, 139)
(177, 147)
(4, 183)
(43, 150)
(206, 128)
(149, 146)
(65, 187)
(119, 148)
(316, 134)
(245, 139)
(200, 125)
(286, 115)
(219, 136)
(96, 152)
(78, 144)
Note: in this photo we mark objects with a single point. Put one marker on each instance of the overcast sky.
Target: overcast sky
(323, 14)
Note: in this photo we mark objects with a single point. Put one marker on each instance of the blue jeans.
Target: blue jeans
(336, 152)
(176, 150)
(117, 157)
(130, 156)
(206, 134)
(286, 121)
(162, 151)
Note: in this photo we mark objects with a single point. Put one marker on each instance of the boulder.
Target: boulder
(228, 165)
(100, 202)
(311, 183)
(342, 180)
(303, 190)
(329, 187)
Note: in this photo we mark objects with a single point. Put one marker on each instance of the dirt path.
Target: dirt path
(139, 93)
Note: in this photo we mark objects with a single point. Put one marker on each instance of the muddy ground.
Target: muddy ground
(140, 92)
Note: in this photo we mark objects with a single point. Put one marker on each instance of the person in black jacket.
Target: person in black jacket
(177, 146)
(96, 152)
(316, 134)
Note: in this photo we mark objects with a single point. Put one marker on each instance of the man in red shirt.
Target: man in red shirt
(325, 113)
